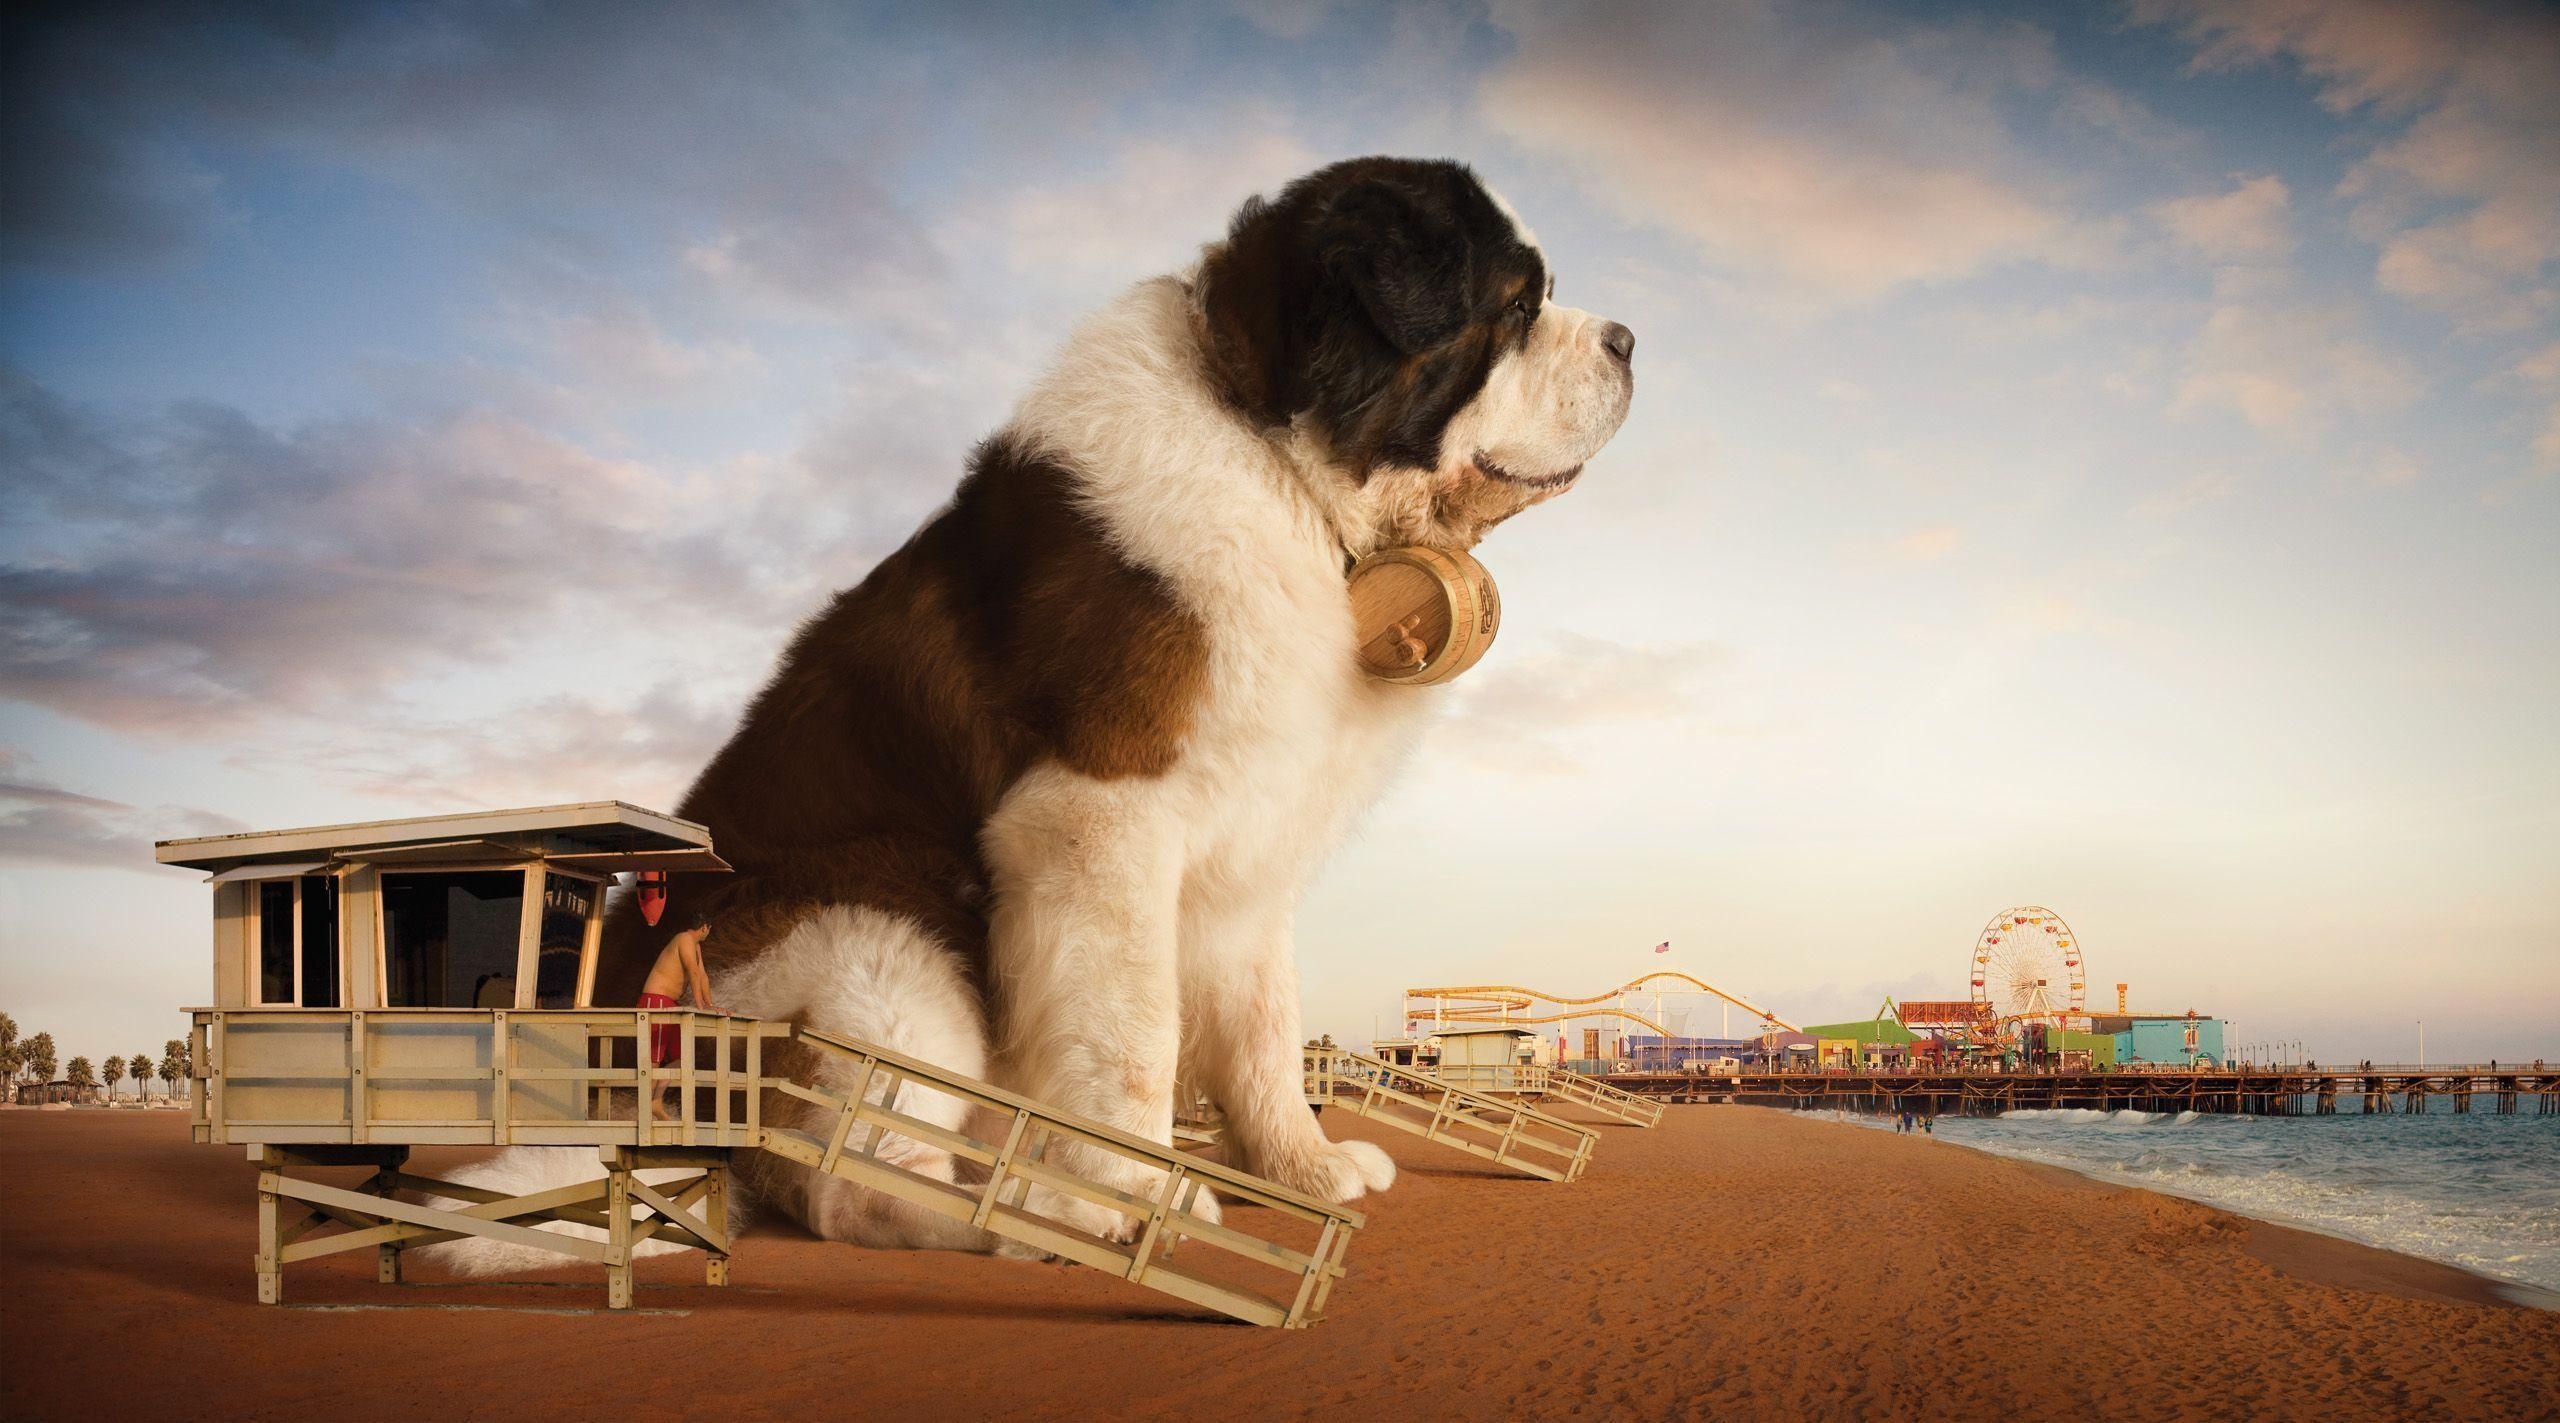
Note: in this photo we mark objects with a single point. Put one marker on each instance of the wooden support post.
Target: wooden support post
(648, 1098)
(720, 1082)
(385, 1183)
(270, 1241)
(208, 1063)
(501, 1062)
(617, 1209)
(715, 1211)
(685, 1116)
(359, 1094)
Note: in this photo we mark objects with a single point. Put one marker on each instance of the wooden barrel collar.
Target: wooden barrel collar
(1422, 615)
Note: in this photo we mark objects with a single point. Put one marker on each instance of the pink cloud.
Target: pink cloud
(2463, 202)
(2248, 223)
(1844, 166)
(2291, 368)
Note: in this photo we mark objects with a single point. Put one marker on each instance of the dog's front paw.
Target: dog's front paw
(1339, 1171)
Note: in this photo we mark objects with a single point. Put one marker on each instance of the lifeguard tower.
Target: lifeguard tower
(1500, 1058)
(396, 984)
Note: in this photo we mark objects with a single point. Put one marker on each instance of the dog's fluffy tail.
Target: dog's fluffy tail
(523, 1170)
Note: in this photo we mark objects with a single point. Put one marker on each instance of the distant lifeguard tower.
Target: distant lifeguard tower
(1498, 1058)
(429, 982)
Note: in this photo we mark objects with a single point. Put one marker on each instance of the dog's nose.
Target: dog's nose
(1619, 342)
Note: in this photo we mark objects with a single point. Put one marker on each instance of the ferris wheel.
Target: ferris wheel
(2027, 969)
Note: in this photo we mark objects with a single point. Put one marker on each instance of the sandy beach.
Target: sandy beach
(1731, 1262)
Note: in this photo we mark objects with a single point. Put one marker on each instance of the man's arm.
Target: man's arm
(694, 971)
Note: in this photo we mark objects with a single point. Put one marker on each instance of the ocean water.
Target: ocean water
(2478, 1191)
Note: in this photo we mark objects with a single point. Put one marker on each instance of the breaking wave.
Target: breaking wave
(2121, 1117)
(2480, 1191)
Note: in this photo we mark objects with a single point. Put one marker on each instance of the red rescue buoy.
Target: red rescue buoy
(653, 896)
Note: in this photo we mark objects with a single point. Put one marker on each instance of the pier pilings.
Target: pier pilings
(2245, 1091)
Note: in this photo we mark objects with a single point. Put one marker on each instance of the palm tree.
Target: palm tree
(138, 1067)
(114, 1069)
(13, 1060)
(39, 1051)
(173, 1064)
(80, 1075)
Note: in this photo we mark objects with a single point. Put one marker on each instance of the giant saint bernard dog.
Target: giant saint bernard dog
(1037, 800)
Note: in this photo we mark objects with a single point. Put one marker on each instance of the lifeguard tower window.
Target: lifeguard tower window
(298, 941)
(319, 941)
(449, 940)
(275, 941)
(566, 902)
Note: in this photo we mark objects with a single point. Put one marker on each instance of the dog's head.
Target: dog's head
(1397, 312)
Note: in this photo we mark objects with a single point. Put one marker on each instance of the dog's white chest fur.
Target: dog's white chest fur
(1289, 743)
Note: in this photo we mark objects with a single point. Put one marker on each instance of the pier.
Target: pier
(2241, 1091)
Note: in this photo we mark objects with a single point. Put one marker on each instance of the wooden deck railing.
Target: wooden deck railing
(530, 1077)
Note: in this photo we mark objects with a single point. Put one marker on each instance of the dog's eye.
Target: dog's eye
(1519, 310)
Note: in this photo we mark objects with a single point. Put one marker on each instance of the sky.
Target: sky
(2104, 457)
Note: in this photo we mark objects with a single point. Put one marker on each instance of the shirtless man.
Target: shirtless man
(679, 967)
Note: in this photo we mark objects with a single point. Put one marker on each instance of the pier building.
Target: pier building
(2188, 1039)
(1871, 1043)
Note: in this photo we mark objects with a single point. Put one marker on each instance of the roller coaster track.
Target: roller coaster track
(1510, 1003)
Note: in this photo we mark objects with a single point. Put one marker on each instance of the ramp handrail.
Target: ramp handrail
(1507, 1132)
(1570, 1086)
(1543, 1080)
(852, 1149)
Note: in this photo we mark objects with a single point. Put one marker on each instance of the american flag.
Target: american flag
(1663, 948)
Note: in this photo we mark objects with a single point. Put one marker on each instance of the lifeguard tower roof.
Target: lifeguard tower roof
(605, 836)
(1452, 1030)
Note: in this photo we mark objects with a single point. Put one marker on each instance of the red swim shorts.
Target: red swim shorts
(665, 1039)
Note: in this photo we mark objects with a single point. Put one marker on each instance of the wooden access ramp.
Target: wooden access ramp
(1302, 1241)
(1507, 1132)
(1543, 1083)
(1592, 1094)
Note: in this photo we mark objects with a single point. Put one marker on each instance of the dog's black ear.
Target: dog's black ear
(1405, 260)
(1251, 296)
(1313, 294)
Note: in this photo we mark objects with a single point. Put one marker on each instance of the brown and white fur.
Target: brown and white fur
(1037, 800)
